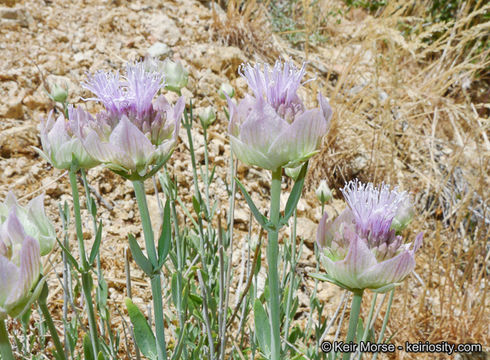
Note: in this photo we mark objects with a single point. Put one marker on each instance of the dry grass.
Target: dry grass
(411, 113)
(412, 110)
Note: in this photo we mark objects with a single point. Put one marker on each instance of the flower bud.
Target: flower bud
(323, 193)
(403, 217)
(59, 94)
(175, 75)
(207, 116)
(293, 173)
(226, 89)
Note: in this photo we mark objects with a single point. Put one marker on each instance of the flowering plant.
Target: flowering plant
(32, 218)
(360, 248)
(133, 133)
(20, 266)
(272, 128)
(60, 140)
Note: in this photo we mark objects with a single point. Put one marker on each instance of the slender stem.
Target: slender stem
(86, 278)
(206, 165)
(156, 286)
(272, 255)
(354, 318)
(385, 321)
(52, 330)
(292, 284)
(5, 348)
(367, 325)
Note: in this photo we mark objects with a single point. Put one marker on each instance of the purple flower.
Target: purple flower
(360, 248)
(273, 129)
(60, 142)
(20, 266)
(32, 218)
(134, 132)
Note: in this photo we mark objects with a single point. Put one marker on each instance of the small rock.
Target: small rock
(159, 49)
(306, 229)
(18, 140)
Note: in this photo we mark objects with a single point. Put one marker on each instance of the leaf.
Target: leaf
(262, 328)
(139, 257)
(145, 339)
(294, 196)
(261, 219)
(96, 245)
(87, 348)
(69, 257)
(165, 239)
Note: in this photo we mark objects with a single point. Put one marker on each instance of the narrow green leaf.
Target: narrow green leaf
(261, 219)
(196, 205)
(96, 245)
(139, 257)
(69, 257)
(294, 196)
(165, 239)
(87, 348)
(145, 339)
(262, 328)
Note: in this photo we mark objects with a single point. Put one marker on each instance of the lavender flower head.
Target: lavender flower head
(273, 129)
(20, 266)
(134, 134)
(60, 142)
(361, 249)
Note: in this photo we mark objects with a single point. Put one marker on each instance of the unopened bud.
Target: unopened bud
(226, 89)
(293, 173)
(176, 76)
(403, 217)
(207, 116)
(59, 94)
(323, 193)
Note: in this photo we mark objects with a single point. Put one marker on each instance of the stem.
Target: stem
(5, 348)
(272, 254)
(367, 325)
(86, 280)
(354, 318)
(52, 330)
(292, 284)
(156, 286)
(385, 321)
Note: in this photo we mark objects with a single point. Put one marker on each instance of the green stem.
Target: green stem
(86, 278)
(272, 255)
(354, 318)
(206, 165)
(292, 284)
(156, 286)
(52, 329)
(385, 321)
(5, 348)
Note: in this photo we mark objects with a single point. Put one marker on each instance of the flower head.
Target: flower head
(134, 132)
(323, 193)
(33, 220)
(360, 249)
(20, 266)
(273, 129)
(60, 142)
(207, 116)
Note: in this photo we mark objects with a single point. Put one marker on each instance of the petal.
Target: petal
(301, 139)
(390, 271)
(127, 137)
(13, 228)
(349, 270)
(9, 278)
(321, 231)
(37, 214)
(30, 267)
(251, 156)
(107, 153)
(262, 127)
